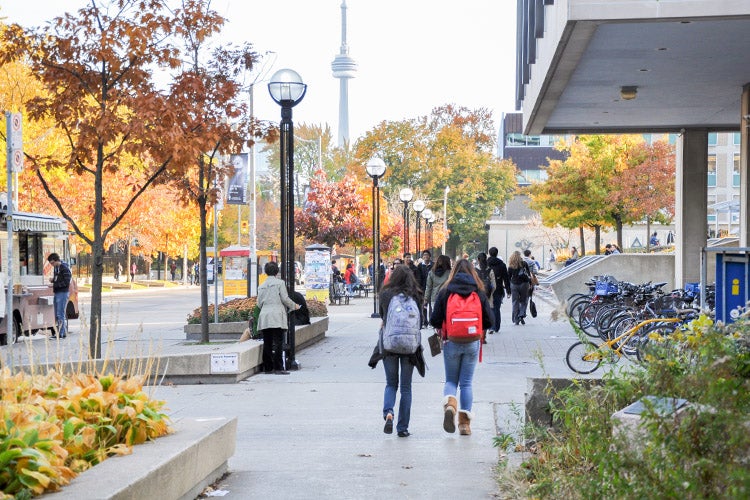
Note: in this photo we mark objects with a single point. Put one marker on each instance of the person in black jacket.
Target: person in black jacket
(401, 280)
(502, 286)
(460, 356)
(60, 285)
(520, 284)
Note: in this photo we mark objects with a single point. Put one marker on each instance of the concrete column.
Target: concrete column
(744, 153)
(690, 204)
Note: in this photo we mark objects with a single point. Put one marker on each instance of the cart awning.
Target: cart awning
(23, 221)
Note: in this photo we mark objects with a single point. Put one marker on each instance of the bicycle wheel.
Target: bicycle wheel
(587, 320)
(583, 357)
(576, 302)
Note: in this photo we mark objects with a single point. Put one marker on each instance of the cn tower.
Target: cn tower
(343, 68)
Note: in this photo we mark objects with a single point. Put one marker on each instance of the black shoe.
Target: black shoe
(522, 321)
(403, 434)
(53, 336)
(388, 429)
(63, 336)
(280, 372)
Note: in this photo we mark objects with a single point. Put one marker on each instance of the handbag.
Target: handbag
(532, 308)
(534, 280)
(436, 344)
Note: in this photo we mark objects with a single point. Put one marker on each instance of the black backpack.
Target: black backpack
(486, 276)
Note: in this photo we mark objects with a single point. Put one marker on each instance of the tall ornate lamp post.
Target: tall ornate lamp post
(431, 221)
(418, 206)
(375, 169)
(445, 215)
(426, 214)
(405, 195)
(287, 90)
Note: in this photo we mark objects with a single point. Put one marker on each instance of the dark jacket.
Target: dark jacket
(502, 279)
(516, 279)
(462, 284)
(302, 315)
(424, 271)
(62, 278)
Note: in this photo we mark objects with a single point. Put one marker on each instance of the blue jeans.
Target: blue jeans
(497, 301)
(391, 364)
(61, 302)
(460, 361)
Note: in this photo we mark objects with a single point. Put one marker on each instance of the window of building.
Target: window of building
(521, 140)
(713, 139)
(712, 170)
(736, 138)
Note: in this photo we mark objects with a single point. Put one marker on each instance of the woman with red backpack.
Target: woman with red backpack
(462, 314)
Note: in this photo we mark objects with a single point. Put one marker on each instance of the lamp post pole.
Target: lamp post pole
(287, 90)
(375, 169)
(445, 216)
(405, 195)
(418, 207)
(426, 214)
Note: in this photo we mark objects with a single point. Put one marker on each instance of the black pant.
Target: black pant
(272, 349)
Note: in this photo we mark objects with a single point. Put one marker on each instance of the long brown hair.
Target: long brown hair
(466, 267)
(443, 263)
(402, 280)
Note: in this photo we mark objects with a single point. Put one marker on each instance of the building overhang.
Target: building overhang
(688, 59)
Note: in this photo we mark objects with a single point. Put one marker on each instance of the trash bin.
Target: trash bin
(732, 274)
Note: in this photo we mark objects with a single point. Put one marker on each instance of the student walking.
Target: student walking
(502, 286)
(462, 314)
(60, 287)
(401, 286)
(436, 278)
(520, 281)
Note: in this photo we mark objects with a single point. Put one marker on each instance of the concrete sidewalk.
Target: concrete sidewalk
(318, 433)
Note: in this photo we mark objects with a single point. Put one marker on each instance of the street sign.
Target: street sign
(14, 128)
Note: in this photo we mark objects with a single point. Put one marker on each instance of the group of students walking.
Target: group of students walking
(462, 303)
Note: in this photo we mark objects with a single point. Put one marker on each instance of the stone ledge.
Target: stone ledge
(304, 334)
(178, 466)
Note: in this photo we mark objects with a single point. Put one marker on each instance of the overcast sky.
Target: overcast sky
(413, 55)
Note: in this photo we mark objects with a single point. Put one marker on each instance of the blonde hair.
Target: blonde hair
(515, 261)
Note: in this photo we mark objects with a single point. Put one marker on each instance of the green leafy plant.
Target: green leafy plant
(54, 426)
(699, 452)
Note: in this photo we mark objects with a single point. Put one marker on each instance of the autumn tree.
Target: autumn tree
(334, 212)
(454, 147)
(607, 181)
(96, 69)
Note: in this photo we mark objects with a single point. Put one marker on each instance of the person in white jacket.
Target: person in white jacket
(274, 302)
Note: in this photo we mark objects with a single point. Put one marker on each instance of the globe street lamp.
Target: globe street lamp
(426, 214)
(405, 195)
(287, 90)
(418, 206)
(431, 221)
(376, 169)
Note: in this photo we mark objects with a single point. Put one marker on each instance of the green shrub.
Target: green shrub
(241, 310)
(705, 453)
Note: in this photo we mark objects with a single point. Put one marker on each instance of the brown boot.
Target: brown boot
(464, 423)
(450, 407)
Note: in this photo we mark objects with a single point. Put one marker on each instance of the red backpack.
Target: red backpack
(463, 317)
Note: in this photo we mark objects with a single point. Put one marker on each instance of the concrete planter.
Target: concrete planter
(304, 334)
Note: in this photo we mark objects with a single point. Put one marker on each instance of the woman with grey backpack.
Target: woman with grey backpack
(400, 301)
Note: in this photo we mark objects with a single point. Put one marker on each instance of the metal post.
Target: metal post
(9, 221)
(375, 247)
(406, 227)
(445, 216)
(287, 219)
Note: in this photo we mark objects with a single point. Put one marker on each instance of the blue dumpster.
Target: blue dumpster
(732, 274)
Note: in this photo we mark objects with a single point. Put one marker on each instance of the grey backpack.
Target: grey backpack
(401, 333)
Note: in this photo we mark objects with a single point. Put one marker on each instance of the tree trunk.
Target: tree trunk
(597, 239)
(583, 242)
(97, 254)
(618, 227)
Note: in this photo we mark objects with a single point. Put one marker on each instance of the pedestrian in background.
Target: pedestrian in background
(502, 286)
(274, 302)
(133, 269)
(118, 271)
(550, 259)
(398, 367)
(460, 356)
(436, 278)
(60, 287)
(520, 279)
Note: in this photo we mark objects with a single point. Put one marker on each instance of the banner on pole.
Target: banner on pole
(237, 192)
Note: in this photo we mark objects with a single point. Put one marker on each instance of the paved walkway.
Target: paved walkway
(317, 433)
